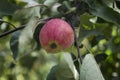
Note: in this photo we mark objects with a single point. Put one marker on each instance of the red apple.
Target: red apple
(56, 35)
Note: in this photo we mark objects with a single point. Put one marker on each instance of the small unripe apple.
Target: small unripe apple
(56, 35)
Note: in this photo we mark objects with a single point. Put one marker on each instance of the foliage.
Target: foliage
(96, 23)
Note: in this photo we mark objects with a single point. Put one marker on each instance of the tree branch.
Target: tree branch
(11, 31)
(70, 21)
(77, 46)
(7, 23)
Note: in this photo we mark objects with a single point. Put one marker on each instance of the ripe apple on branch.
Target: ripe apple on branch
(56, 35)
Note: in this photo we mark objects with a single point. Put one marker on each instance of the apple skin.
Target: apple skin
(56, 35)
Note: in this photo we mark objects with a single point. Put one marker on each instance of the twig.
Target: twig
(7, 23)
(11, 31)
(77, 46)
(68, 16)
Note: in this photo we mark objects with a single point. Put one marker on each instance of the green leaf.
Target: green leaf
(36, 34)
(51, 75)
(89, 27)
(87, 33)
(103, 11)
(85, 21)
(50, 2)
(7, 7)
(14, 43)
(109, 3)
(73, 19)
(25, 14)
(89, 69)
(66, 69)
(26, 38)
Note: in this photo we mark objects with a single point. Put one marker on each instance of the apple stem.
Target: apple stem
(77, 46)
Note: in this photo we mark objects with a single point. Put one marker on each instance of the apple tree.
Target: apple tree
(59, 40)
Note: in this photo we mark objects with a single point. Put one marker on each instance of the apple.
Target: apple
(56, 35)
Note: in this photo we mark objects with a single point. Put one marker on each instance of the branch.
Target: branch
(7, 23)
(69, 18)
(77, 46)
(19, 28)
(11, 31)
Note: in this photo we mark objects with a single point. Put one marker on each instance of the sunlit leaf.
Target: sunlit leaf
(66, 69)
(109, 3)
(89, 69)
(50, 2)
(26, 37)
